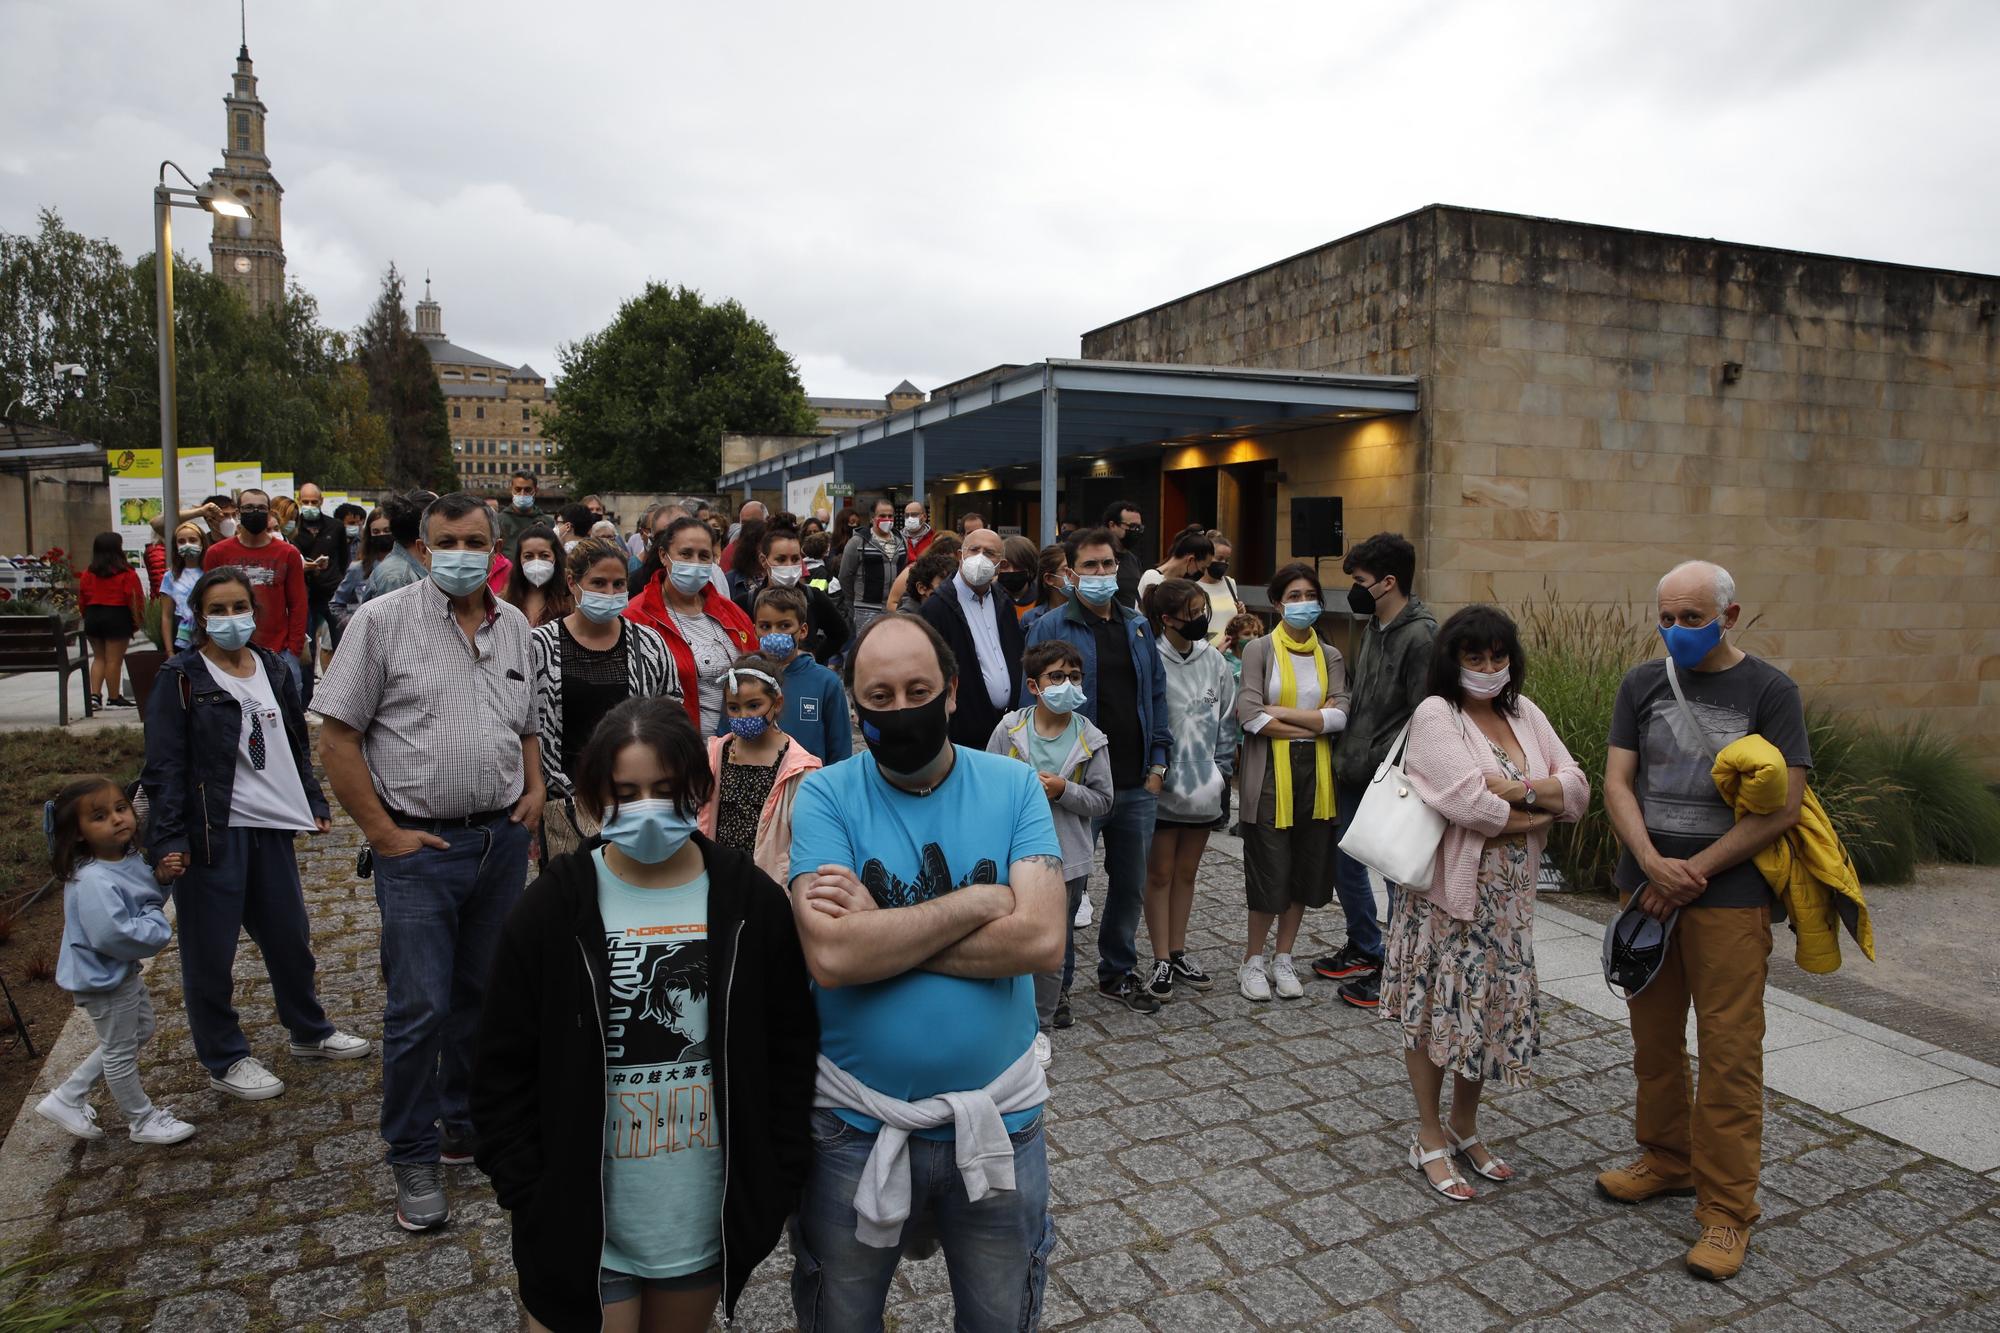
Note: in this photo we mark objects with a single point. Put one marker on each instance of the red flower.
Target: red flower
(53, 553)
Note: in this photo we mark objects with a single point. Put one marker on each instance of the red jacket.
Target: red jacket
(278, 582)
(649, 608)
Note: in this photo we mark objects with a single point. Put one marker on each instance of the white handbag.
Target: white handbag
(1394, 833)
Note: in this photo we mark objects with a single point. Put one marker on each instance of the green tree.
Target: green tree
(644, 401)
(275, 385)
(403, 389)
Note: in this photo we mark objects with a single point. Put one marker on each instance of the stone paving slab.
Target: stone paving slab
(1222, 1165)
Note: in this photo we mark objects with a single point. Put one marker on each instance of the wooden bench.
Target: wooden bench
(30, 644)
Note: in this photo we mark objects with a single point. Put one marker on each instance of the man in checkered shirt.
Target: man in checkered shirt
(430, 744)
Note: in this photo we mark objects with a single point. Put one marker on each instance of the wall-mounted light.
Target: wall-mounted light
(1732, 371)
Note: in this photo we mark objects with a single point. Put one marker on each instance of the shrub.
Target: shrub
(1869, 811)
(42, 967)
(1576, 657)
(1952, 814)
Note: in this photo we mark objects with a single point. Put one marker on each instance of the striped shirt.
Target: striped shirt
(441, 723)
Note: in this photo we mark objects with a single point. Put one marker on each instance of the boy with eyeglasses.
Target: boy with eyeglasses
(1073, 760)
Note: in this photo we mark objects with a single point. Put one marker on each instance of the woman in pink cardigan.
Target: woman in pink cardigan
(1460, 969)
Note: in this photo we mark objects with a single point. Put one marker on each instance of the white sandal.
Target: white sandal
(1421, 1159)
(1464, 1147)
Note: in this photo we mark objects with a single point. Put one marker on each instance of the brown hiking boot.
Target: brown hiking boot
(1639, 1182)
(1719, 1254)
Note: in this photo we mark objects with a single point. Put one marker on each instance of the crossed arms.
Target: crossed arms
(980, 931)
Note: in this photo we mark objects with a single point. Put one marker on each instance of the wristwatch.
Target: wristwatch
(1158, 770)
(1530, 799)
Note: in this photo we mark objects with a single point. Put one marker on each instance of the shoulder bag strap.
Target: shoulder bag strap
(1687, 712)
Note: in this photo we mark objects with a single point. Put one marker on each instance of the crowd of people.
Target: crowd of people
(764, 983)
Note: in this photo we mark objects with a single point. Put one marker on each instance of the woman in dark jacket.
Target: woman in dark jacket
(229, 780)
(643, 1088)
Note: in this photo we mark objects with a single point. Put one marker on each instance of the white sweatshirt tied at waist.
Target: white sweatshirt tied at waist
(985, 1153)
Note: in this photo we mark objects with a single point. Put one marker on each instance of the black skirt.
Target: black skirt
(108, 622)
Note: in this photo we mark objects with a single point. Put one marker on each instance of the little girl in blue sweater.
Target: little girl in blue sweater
(113, 916)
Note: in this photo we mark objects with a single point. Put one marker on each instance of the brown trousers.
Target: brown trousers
(1714, 1132)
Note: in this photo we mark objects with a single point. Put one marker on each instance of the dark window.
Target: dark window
(524, 414)
(454, 411)
(481, 411)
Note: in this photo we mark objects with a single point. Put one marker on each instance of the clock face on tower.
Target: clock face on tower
(242, 264)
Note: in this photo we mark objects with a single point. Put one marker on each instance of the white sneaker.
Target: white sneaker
(248, 1081)
(1250, 979)
(1083, 913)
(78, 1120)
(1045, 1052)
(1285, 979)
(161, 1126)
(340, 1046)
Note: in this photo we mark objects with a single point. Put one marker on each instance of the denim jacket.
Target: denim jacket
(193, 725)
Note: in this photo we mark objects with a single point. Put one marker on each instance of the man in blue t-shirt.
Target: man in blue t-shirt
(929, 892)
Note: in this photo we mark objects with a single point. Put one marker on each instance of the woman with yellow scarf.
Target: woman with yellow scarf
(1292, 703)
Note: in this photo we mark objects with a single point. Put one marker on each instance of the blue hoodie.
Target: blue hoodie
(112, 917)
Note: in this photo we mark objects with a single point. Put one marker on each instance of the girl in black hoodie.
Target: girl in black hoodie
(644, 1082)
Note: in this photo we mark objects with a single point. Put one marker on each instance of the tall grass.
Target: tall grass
(1896, 799)
(1576, 657)
(26, 1308)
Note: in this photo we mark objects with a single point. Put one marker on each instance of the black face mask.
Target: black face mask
(1134, 530)
(254, 521)
(1217, 569)
(1194, 630)
(1014, 580)
(1360, 600)
(906, 741)
(381, 543)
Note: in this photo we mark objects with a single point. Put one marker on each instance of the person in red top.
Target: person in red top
(918, 534)
(113, 603)
(704, 630)
(277, 574)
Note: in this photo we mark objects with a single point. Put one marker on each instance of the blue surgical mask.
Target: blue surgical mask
(1688, 646)
(232, 632)
(601, 608)
(1097, 589)
(779, 646)
(749, 728)
(1301, 615)
(460, 572)
(688, 577)
(524, 502)
(648, 831)
(1066, 697)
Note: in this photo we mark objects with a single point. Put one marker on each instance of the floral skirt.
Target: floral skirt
(1464, 992)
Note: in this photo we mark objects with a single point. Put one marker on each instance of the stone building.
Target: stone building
(248, 253)
(495, 410)
(839, 414)
(1598, 403)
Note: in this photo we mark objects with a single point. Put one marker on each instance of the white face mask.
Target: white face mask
(911, 523)
(978, 569)
(538, 572)
(786, 576)
(1482, 684)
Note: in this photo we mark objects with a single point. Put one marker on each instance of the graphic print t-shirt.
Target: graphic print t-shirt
(1675, 783)
(922, 1033)
(662, 1133)
(267, 792)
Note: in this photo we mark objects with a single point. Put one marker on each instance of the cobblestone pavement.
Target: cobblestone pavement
(1221, 1166)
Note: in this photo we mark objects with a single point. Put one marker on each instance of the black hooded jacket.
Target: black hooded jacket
(539, 1080)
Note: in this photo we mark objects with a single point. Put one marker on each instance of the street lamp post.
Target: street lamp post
(166, 198)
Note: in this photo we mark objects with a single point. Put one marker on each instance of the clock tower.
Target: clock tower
(248, 253)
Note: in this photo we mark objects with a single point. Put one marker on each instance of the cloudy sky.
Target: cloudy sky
(925, 190)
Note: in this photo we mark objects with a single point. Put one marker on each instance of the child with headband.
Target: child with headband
(757, 768)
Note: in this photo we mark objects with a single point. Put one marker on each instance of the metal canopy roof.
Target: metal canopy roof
(1096, 407)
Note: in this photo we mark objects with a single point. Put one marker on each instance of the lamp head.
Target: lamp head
(215, 201)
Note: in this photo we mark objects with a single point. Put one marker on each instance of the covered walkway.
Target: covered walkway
(1020, 426)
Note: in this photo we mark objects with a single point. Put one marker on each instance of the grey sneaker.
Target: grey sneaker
(420, 1201)
(455, 1149)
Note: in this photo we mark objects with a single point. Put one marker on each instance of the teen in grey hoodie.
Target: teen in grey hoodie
(1201, 698)
(1074, 760)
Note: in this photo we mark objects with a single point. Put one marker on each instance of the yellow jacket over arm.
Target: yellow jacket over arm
(1807, 869)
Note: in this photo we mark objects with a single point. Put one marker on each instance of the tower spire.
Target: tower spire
(243, 17)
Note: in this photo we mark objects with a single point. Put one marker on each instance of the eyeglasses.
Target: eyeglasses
(1058, 677)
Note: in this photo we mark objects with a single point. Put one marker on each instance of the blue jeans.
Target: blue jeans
(996, 1251)
(1350, 878)
(1127, 834)
(441, 911)
(253, 886)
